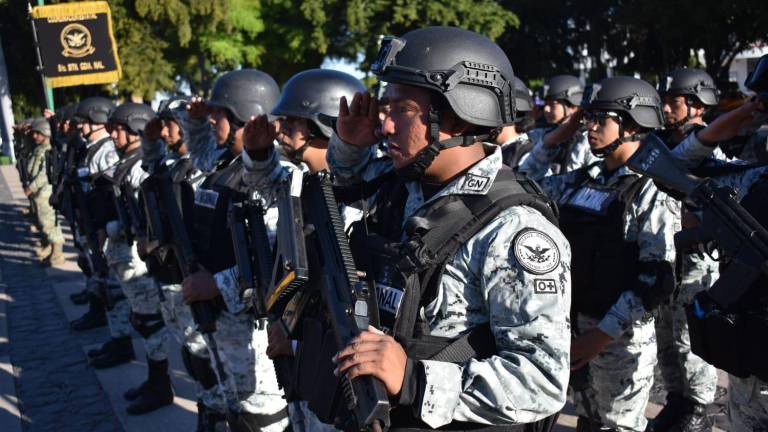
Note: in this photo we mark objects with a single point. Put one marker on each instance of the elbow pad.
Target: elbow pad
(663, 275)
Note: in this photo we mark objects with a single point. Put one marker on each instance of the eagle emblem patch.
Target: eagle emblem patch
(535, 251)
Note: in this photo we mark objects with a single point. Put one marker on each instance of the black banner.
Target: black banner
(76, 43)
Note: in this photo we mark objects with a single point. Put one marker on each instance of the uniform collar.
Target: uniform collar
(520, 138)
(477, 180)
(600, 174)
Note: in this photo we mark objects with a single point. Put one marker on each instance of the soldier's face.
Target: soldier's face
(220, 122)
(171, 132)
(406, 124)
(119, 135)
(675, 109)
(292, 132)
(37, 137)
(602, 128)
(554, 111)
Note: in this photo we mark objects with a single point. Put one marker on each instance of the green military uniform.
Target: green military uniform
(41, 192)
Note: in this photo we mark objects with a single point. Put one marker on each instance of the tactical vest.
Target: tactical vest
(513, 153)
(212, 244)
(603, 263)
(406, 271)
(732, 339)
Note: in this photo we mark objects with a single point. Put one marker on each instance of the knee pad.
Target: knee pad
(147, 324)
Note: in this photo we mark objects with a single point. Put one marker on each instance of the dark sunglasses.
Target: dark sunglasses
(601, 117)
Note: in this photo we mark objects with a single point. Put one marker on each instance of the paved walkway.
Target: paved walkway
(45, 380)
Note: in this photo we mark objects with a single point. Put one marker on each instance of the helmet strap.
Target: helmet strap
(606, 151)
(415, 170)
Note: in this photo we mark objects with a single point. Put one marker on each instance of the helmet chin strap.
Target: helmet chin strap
(414, 171)
(88, 135)
(606, 151)
(682, 122)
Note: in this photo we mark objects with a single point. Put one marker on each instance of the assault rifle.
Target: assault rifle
(332, 272)
(736, 233)
(253, 254)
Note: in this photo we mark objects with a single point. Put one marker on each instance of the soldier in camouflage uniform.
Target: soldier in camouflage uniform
(514, 140)
(126, 122)
(308, 100)
(513, 273)
(39, 190)
(747, 397)
(562, 95)
(161, 133)
(690, 381)
(621, 230)
(215, 144)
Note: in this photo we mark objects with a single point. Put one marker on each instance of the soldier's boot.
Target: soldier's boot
(79, 298)
(668, 415)
(694, 419)
(57, 255)
(94, 318)
(119, 351)
(156, 392)
(43, 250)
(106, 346)
(207, 419)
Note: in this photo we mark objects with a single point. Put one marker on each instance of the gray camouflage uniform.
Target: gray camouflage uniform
(621, 376)
(250, 374)
(118, 318)
(684, 372)
(139, 288)
(579, 156)
(487, 282)
(747, 397)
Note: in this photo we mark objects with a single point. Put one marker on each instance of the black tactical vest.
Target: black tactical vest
(514, 152)
(209, 234)
(405, 270)
(99, 194)
(124, 195)
(603, 263)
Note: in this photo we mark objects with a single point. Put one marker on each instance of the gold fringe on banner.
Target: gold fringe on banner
(86, 79)
(64, 10)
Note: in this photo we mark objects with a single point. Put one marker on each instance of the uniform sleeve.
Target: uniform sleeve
(528, 314)
(351, 164)
(104, 159)
(202, 145)
(226, 281)
(537, 164)
(741, 182)
(581, 154)
(691, 151)
(262, 174)
(37, 174)
(652, 222)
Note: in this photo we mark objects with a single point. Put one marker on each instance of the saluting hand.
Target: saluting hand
(153, 129)
(259, 134)
(376, 354)
(358, 123)
(196, 108)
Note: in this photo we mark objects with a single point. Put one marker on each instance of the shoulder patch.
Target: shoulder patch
(535, 251)
(475, 183)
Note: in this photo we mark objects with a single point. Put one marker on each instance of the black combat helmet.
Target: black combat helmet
(66, 112)
(245, 93)
(757, 81)
(565, 88)
(169, 109)
(314, 95)
(523, 98)
(94, 109)
(692, 83)
(469, 71)
(133, 116)
(633, 98)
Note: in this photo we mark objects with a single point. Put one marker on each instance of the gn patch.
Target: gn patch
(535, 251)
(544, 286)
(206, 198)
(475, 183)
